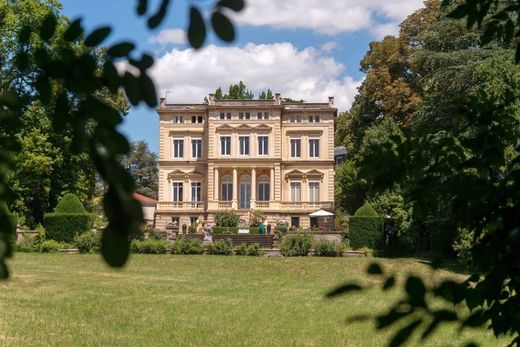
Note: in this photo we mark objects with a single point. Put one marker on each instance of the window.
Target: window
(193, 220)
(178, 119)
(225, 145)
(314, 148)
(263, 188)
(266, 115)
(195, 191)
(222, 115)
(295, 222)
(177, 191)
(242, 115)
(263, 145)
(178, 148)
(295, 118)
(196, 119)
(226, 191)
(248, 115)
(259, 116)
(263, 115)
(296, 191)
(228, 115)
(244, 145)
(314, 191)
(314, 118)
(196, 148)
(295, 148)
(245, 192)
(225, 115)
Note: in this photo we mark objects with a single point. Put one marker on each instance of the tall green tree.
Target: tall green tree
(143, 166)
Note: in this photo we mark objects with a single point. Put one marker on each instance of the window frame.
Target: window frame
(261, 147)
(200, 148)
(243, 143)
(228, 147)
(180, 140)
(177, 189)
(295, 197)
(299, 141)
(314, 191)
(312, 154)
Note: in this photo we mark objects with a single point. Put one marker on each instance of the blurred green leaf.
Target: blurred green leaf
(48, 27)
(74, 31)
(115, 247)
(142, 6)
(222, 26)
(97, 36)
(196, 28)
(235, 5)
(375, 269)
(156, 19)
(121, 49)
(131, 84)
(404, 334)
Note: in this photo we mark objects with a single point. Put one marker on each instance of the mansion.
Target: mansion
(245, 155)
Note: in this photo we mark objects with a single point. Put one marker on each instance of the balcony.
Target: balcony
(329, 205)
(179, 205)
(225, 205)
(262, 204)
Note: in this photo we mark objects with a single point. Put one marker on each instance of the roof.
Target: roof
(141, 198)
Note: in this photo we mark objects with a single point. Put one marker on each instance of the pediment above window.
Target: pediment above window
(294, 174)
(224, 127)
(263, 128)
(314, 174)
(176, 175)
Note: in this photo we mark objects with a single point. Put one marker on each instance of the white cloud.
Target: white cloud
(300, 74)
(329, 17)
(329, 46)
(168, 36)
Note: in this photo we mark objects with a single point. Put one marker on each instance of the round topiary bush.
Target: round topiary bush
(69, 203)
(366, 211)
(68, 220)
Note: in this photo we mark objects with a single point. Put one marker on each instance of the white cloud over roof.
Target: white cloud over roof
(169, 36)
(306, 74)
(329, 17)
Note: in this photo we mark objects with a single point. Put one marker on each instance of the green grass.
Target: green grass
(61, 299)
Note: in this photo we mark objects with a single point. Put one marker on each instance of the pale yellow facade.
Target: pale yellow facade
(245, 155)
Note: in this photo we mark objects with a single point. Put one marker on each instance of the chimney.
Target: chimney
(278, 98)
(331, 101)
(162, 102)
(211, 99)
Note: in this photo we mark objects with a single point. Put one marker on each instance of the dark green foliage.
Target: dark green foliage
(326, 249)
(226, 219)
(281, 229)
(296, 245)
(142, 165)
(187, 246)
(64, 227)
(149, 247)
(69, 204)
(156, 235)
(241, 249)
(366, 232)
(253, 250)
(254, 230)
(89, 242)
(366, 211)
(221, 247)
(29, 245)
(225, 230)
(52, 246)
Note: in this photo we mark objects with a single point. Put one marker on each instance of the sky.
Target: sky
(303, 49)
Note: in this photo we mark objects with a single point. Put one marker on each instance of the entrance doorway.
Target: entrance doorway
(245, 192)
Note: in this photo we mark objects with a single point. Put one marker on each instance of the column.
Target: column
(216, 185)
(271, 185)
(253, 187)
(235, 188)
(187, 190)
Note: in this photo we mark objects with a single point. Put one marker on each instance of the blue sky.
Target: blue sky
(304, 49)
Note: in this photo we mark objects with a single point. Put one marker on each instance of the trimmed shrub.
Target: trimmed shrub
(149, 247)
(156, 235)
(28, 245)
(69, 203)
(66, 226)
(68, 220)
(366, 232)
(241, 249)
(296, 245)
(366, 211)
(254, 230)
(225, 230)
(89, 242)
(253, 250)
(187, 246)
(281, 229)
(221, 247)
(227, 219)
(326, 249)
(52, 246)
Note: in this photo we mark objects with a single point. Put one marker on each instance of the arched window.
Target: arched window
(226, 192)
(263, 188)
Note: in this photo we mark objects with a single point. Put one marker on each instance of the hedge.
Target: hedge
(64, 227)
(222, 230)
(149, 247)
(70, 203)
(366, 211)
(366, 232)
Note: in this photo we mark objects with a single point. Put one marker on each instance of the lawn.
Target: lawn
(164, 300)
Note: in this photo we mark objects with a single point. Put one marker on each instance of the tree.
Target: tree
(142, 164)
(266, 95)
(237, 91)
(47, 59)
(460, 165)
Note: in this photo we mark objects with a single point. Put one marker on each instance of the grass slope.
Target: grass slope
(60, 299)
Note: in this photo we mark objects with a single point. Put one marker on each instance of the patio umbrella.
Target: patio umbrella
(321, 213)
